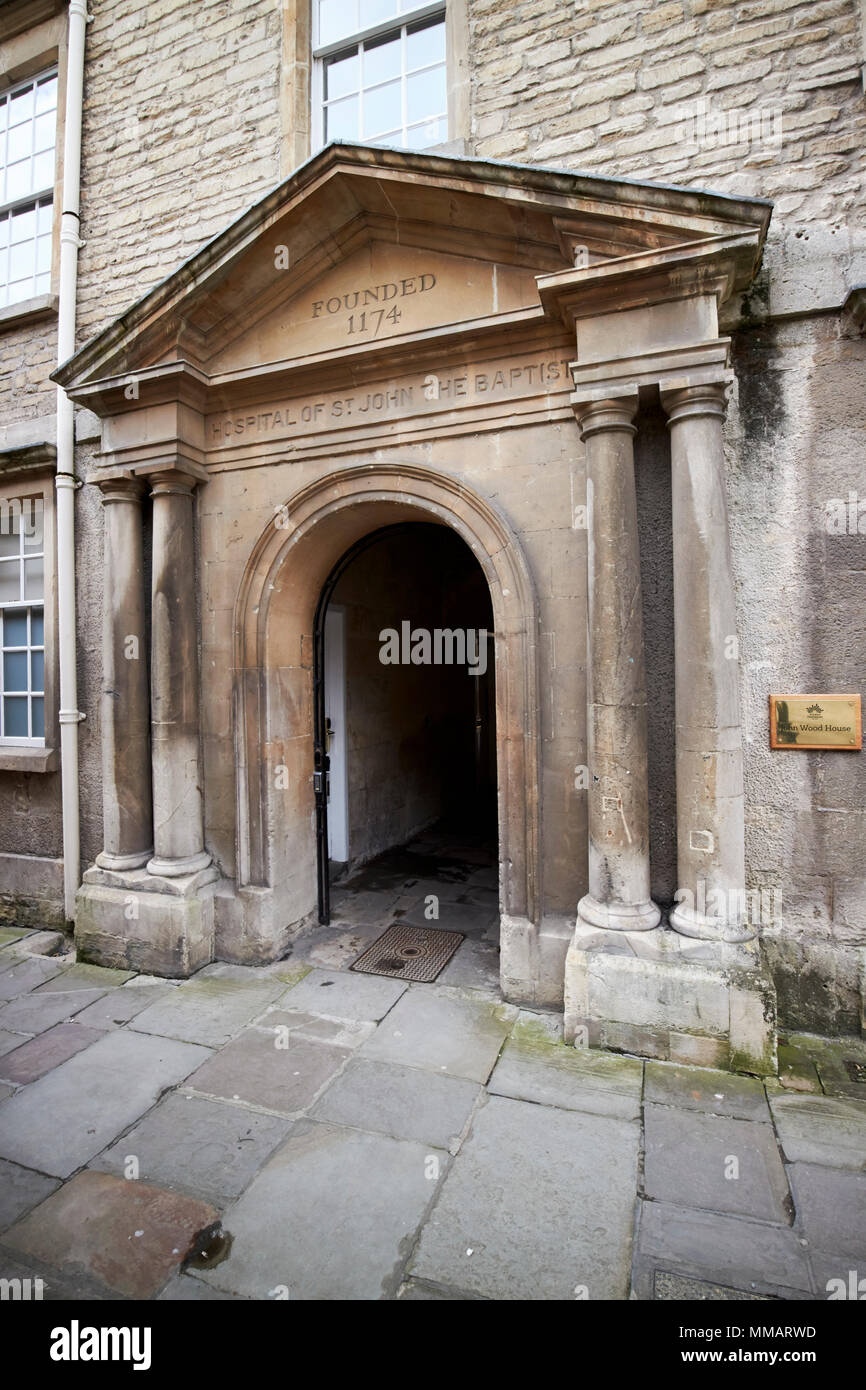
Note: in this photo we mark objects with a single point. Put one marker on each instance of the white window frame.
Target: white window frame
(24, 607)
(39, 197)
(395, 25)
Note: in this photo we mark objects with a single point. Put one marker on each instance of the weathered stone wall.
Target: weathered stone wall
(181, 134)
(603, 85)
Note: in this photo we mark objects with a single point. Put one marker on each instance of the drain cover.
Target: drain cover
(409, 953)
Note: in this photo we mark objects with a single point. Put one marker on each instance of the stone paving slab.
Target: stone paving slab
(64, 1119)
(6, 1090)
(207, 1011)
(130, 1235)
(9, 1041)
(28, 973)
(675, 1288)
(501, 1227)
(10, 934)
(332, 1215)
(831, 1208)
(253, 1070)
(340, 1032)
(55, 1288)
(186, 1289)
(474, 965)
(119, 1006)
(729, 1250)
(202, 1147)
(699, 1088)
(339, 994)
(20, 1190)
(400, 1101)
(417, 1291)
(689, 1153)
(82, 976)
(335, 948)
(828, 1269)
(36, 1013)
(441, 1030)
(537, 1066)
(820, 1129)
(45, 942)
(42, 1054)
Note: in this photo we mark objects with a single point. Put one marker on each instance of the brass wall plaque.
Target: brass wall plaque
(816, 721)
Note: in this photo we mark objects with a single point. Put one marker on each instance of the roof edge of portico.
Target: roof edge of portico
(488, 175)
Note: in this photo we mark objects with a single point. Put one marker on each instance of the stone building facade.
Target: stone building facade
(625, 260)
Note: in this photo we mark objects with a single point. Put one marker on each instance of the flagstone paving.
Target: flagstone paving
(300, 1130)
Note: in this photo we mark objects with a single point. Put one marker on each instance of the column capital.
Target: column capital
(120, 487)
(605, 414)
(709, 398)
(171, 481)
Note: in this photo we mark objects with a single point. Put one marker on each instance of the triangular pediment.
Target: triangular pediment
(365, 246)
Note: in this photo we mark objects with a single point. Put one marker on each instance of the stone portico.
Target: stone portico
(389, 338)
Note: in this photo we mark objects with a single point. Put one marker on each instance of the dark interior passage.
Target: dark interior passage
(420, 743)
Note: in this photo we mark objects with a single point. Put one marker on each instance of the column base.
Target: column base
(123, 863)
(658, 994)
(618, 916)
(134, 921)
(689, 922)
(178, 868)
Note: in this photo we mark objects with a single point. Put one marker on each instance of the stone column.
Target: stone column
(177, 799)
(126, 787)
(619, 875)
(709, 756)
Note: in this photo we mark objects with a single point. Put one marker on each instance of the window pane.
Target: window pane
(15, 718)
(421, 137)
(374, 11)
(43, 255)
(44, 132)
(341, 120)
(337, 20)
(43, 169)
(22, 260)
(4, 231)
(342, 77)
(38, 712)
(381, 62)
(10, 582)
(32, 522)
(46, 216)
(15, 629)
(37, 627)
(34, 578)
(37, 670)
(425, 94)
(18, 183)
(15, 670)
(20, 143)
(425, 46)
(24, 225)
(21, 106)
(46, 95)
(382, 109)
(9, 540)
(43, 284)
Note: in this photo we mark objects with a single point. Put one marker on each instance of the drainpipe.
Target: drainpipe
(65, 480)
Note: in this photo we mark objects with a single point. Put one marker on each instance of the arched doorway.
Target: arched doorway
(275, 697)
(404, 700)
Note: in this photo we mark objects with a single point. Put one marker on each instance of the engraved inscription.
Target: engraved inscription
(368, 309)
(420, 395)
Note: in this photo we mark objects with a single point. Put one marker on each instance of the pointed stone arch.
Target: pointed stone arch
(273, 689)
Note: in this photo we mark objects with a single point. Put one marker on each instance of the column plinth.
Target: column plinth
(126, 783)
(709, 758)
(177, 799)
(619, 872)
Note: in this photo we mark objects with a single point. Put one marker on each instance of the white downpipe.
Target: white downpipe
(65, 480)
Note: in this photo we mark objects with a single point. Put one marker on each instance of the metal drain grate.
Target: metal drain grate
(409, 953)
